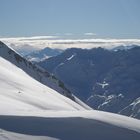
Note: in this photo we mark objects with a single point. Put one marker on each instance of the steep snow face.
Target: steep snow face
(36, 72)
(19, 91)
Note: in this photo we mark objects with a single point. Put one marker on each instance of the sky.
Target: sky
(119, 19)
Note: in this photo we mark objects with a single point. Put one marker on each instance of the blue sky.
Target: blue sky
(72, 18)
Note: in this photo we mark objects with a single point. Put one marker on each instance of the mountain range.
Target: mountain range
(40, 55)
(107, 80)
(34, 106)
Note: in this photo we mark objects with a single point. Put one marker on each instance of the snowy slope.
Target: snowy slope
(68, 125)
(36, 72)
(29, 110)
(19, 91)
(6, 135)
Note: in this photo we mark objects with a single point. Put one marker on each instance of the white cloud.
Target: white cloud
(29, 38)
(40, 42)
(90, 34)
(39, 37)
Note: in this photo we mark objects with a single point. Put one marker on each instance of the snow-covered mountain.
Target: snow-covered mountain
(132, 110)
(33, 70)
(40, 55)
(30, 110)
(105, 80)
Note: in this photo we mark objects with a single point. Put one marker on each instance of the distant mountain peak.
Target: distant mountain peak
(124, 47)
(42, 54)
(104, 79)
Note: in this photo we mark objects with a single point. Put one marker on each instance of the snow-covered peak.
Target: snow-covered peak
(34, 71)
(31, 110)
(40, 55)
(124, 47)
(20, 92)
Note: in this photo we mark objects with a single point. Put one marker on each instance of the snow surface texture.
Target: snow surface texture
(6, 135)
(30, 110)
(21, 91)
(36, 72)
(69, 125)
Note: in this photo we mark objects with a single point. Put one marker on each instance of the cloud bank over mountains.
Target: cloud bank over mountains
(40, 42)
